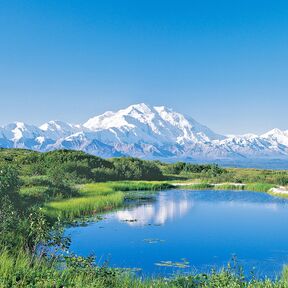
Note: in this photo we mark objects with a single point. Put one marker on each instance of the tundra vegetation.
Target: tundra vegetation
(40, 192)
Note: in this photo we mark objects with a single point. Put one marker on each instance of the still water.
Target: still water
(183, 231)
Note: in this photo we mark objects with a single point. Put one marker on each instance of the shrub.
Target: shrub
(104, 174)
(9, 182)
(136, 169)
(282, 180)
(211, 170)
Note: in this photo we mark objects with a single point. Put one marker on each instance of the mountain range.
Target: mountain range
(147, 132)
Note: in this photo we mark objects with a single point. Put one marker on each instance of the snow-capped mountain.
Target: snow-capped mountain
(59, 129)
(147, 132)
(277, 136)
(154, 125)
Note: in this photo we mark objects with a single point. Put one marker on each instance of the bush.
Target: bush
(56, 176)
(282, 180)
(76, 157)
(9, 182)
(104, 174)
(136, 169)
(211, 170)
(8, 224)
(36, 180)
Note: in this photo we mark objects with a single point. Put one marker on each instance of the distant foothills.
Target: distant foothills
(151, 133)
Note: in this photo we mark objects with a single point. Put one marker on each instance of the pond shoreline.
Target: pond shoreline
(105, 196)
(156, 219)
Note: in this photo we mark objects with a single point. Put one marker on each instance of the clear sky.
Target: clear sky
(225, 63)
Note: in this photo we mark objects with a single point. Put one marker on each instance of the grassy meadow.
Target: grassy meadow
(41, 192)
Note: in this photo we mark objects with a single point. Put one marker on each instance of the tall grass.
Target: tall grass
(228, 186)
(259, 187)
(198, 186)
(20, 271)
(140, 185)
(204, 186)
(93, 198)
(98, 197)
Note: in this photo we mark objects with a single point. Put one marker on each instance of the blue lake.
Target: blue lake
(182, 231)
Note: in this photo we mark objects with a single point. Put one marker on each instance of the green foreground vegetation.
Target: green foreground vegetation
(22, 271)
(40, 192)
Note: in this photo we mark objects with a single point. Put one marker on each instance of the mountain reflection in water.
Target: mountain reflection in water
(166, 208)
(206, 228)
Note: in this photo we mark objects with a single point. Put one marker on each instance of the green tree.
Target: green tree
(57, 176)
(9, 182)
(136, 169)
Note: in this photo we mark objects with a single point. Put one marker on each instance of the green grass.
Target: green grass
(197, 186)
(238, 175)
(20, 271)
(259, 187)
(93, 198)
(39, 175)
(228, 186)
(140, 185)
(282, 195)
(98, 197)
(34, 191)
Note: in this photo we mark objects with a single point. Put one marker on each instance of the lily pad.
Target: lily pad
(153, 241)
(181, 264)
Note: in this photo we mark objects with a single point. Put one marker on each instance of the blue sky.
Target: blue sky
(225, 63)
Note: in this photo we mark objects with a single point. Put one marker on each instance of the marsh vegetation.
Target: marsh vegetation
(39, 190)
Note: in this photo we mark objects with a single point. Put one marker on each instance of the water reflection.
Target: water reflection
(204, 227)
(175, 205)
(167, 207)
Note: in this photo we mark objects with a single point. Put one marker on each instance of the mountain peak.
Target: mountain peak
(277, 135)
(145, 131)
(55, 125)
(149, 124)
(141, 107)
(55, 129)
(275, 131)
(119, 119)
